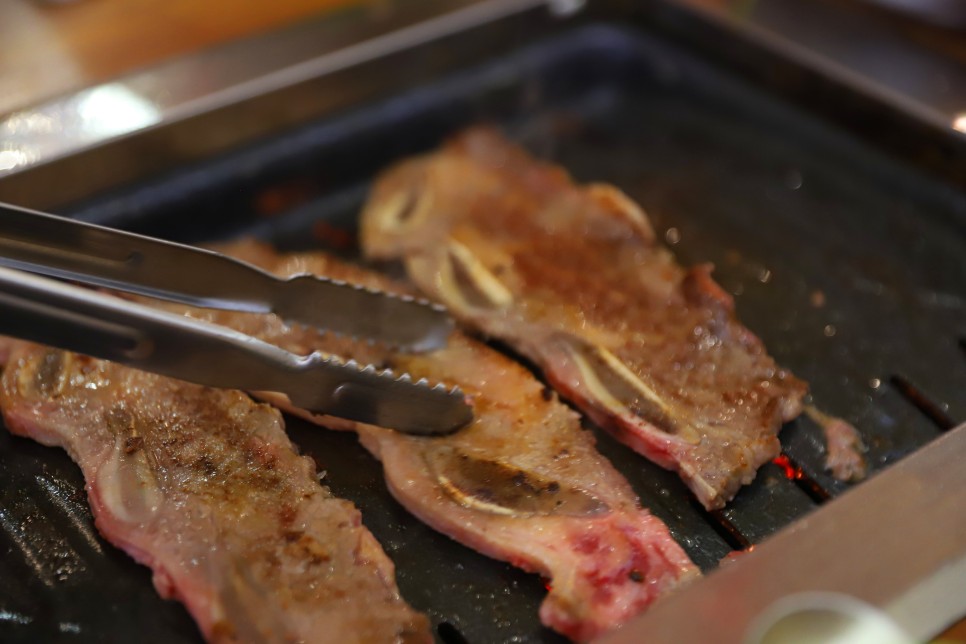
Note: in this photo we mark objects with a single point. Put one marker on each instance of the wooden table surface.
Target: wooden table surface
(49, 48)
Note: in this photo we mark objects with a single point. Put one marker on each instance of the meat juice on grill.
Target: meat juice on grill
(573, 278)
(204, 487)
(523, 483)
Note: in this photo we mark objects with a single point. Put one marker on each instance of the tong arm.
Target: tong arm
(49, 312)
(69, 249)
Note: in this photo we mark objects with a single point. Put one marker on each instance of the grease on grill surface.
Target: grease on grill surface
(48, 379)
(499, 488)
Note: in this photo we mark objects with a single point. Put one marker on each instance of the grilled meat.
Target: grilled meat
(843, 446)
(573, 278)
(204, 487)
(523, 483)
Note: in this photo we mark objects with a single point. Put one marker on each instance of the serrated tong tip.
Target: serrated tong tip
(365, 394)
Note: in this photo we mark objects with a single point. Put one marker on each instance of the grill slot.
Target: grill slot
(726, 529)
(450, 634)
(930, 409)
(766, 505)
(794, 473)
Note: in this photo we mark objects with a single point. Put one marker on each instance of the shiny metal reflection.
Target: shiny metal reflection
(85, 118)
(214, 79)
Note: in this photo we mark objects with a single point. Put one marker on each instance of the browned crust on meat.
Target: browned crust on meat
(523, 483)
(204, 487)
(573, 277)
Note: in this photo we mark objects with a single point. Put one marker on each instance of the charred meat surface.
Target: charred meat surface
(523, 483)
(572, 277)
(204, 487)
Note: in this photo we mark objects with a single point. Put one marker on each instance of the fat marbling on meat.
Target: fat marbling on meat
(204, 487)
(573, 278)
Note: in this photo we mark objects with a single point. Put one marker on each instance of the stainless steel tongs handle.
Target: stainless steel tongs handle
(76, 319)
(64, 248)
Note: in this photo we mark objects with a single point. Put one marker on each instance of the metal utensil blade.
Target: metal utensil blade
(67, 249)
(367, 395)
(76, 319)
(399, 321)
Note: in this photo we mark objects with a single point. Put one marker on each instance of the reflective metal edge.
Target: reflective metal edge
(923, 83)
(769, 49)
(896, 543)
(46, 152)
(197, 106)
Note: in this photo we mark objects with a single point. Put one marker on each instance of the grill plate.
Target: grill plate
(784, 205)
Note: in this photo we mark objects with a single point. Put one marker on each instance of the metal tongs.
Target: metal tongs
(86, 321)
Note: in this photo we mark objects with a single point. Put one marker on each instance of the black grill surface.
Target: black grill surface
(848, 264)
